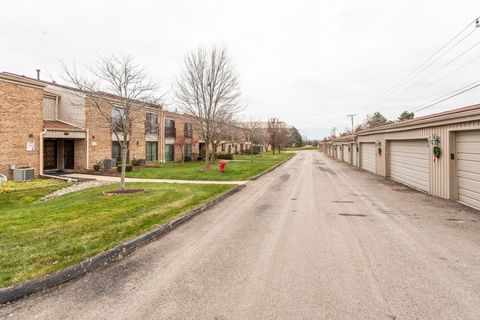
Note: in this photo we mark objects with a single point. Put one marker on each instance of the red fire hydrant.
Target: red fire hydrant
(223, 163)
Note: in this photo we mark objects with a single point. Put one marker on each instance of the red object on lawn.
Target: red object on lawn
(223, 163)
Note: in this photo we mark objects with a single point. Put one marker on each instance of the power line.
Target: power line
(438, 69)
(424, 65)
(449, 96)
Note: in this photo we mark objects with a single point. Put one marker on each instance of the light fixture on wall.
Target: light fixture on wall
(378, 143)
(435, 140)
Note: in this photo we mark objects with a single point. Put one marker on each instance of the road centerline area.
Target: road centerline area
(314, 239)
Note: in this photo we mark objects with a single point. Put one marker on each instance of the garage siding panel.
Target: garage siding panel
(368, 157)
(346, 153)
(354, 155)
(468, 167)
(408, 163)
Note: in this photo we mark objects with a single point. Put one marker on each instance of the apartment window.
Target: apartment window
(151, 123)
(152, 151)
(170, 128)
(117, 119)
(187, 152)
(187, 128)
(117, 151)
(169, 152)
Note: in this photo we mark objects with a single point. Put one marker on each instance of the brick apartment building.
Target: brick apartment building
(51, 127)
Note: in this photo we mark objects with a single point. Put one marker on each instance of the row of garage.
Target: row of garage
(438, 154)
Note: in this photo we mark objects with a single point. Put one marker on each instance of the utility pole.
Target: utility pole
(333, 132)
(351, 117)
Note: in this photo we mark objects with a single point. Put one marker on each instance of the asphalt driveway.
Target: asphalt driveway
(314, 239)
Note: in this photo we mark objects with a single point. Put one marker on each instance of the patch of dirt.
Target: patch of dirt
(126, 191)
(342, 201)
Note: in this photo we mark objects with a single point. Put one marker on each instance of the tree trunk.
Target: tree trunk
(207, 156)
(124, 166)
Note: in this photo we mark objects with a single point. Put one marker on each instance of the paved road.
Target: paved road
(315, 239)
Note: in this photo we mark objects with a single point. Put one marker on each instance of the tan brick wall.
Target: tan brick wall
(180, 120)
(21, 114)
(100, 133)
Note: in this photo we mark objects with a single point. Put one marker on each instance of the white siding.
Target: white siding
(468, 167)
(346, 153)
(408, 163)
(49, 109)
(368, 156)
(354, 155)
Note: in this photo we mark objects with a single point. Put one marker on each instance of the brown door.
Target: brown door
(49, 154)
(69, 154)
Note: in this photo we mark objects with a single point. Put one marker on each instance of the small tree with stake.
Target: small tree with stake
(117, 89)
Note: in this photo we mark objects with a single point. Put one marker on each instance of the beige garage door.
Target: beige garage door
(346, 153)
(468, 168)
(408, 162)
(368, 157)
(354, 154)
(339, 152)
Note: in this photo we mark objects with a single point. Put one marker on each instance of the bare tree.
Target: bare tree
(117, 89)
(208, 88)
(254, 130)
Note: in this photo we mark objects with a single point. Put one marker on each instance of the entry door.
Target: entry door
(468, 167)
(409, 163)
(368, 157)
(69, 154)
(50, 154)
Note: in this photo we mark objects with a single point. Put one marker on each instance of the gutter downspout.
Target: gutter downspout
(88, 148)
(41, 151)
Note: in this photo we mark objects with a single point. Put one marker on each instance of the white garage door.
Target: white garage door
(346, 153)
(409, 163)
(468, 168)
(368, 156)
(354, 155)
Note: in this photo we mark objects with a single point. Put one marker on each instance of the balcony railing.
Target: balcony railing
(170, 132)
(188, 133)
(151, 128)
(117, 126)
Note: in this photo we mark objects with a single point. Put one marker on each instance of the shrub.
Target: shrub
(138, 162)
(225, 156)
(247, 151)
(128, 168)
(97, 167)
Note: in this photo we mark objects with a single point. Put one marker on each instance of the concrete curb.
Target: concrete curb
(117, 253)
(272, 168)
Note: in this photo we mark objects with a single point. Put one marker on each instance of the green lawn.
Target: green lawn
(39, 238)
(235, 170)
(268, 156)
(302, 148)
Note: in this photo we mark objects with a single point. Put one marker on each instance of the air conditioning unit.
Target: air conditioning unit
(108, 164)
(23, 174)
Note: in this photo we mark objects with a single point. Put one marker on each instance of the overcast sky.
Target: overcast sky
(309, 63)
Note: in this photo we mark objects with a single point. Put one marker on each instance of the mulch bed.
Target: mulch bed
(126, 191)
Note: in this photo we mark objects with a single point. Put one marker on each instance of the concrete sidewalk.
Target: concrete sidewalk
(117, 179)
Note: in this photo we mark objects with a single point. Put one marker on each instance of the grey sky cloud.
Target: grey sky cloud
(309, 63)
